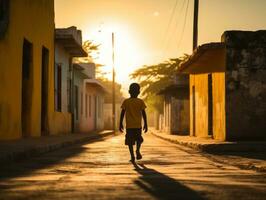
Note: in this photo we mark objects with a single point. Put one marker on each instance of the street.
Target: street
(100, 169)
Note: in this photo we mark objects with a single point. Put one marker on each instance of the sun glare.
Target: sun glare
(127, 53)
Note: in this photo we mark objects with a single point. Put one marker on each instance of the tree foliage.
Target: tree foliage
(109, 86)
(153, 78)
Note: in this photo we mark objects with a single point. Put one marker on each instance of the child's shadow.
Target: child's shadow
(162, 186)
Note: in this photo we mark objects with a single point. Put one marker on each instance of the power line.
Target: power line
(169, 24)
(183, 29)
(174, 33)
(176, 27)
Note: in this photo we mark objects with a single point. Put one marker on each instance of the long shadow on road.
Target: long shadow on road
(162, 186)
(27, 166)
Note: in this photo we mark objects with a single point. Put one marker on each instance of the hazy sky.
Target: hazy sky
(144, 31)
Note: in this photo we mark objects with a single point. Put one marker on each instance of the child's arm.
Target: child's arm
(121, 127)
(145, 127)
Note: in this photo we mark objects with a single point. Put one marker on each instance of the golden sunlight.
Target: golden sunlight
(127, 50)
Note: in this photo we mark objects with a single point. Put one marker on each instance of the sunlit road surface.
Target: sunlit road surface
(100, 170)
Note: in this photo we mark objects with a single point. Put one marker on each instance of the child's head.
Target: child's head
(134, 89)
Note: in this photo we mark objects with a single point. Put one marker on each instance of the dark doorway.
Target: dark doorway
(58, 87)
(76, 103)
(26, 88)
(44, 104)
(210, 109)
(96, 112)
(194, 110)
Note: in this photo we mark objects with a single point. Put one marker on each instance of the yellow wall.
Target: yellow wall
(60, 123)
(218, 91)
(34, 21)
(200, 81)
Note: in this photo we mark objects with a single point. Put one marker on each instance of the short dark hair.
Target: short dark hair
(134, 87)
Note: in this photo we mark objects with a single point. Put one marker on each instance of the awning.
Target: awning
(176, 90)
(97, 84)
(206, 58)
(70, 39)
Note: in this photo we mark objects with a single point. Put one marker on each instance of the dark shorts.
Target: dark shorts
(133, 135)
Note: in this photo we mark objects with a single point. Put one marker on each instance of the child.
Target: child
(134, 109)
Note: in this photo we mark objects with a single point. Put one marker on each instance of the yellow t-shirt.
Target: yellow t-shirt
(133, 108)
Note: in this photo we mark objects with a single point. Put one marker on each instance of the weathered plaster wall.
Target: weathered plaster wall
(167, 115)
(94, 120)
(218, 83)
(180, 116)
(200, 81)
(107, 115)
(245, 84)
(79, 82)
(88, 123)
(39, 30)
(63, 118)
(62, 57)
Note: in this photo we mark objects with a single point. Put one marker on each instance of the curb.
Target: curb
(209, 151)
(38, 150)
(222, 147)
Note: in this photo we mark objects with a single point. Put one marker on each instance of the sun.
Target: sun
(126, 48)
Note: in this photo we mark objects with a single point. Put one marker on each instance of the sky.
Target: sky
(152, 31)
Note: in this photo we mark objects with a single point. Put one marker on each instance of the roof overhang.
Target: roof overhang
(176, 90)
(71, 42)
(77, 66)
(97, 84)
(80, 70)
(206, 58)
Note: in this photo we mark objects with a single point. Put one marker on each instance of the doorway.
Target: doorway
(194, 110)
(96, 113)
(210, 109)
(26, 98)
(44, 92)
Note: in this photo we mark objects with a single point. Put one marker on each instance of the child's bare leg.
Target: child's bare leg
(139, 156)
(138, 146)
(131, 151)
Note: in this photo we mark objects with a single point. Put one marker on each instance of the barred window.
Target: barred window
(4, 16)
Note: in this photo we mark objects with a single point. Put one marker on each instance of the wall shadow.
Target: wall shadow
(162, 186)
(249, 155)
(22, 167)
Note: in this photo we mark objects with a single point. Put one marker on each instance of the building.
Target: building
(88, 99)
(26, 68)
(176, 106)
(68, 44)
(228, 87)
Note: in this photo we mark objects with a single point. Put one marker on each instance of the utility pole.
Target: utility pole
(195, 24)
(113, 58)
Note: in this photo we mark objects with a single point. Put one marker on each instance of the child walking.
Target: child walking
(134, 108)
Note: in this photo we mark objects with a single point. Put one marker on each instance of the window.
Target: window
(77, 102)
(58, 87)
(86, 105)
(69, 94)
(81, 103)
(90, 105)
(100, 107)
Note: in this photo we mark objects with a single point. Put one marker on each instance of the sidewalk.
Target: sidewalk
(25, 148)
(245, 155)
